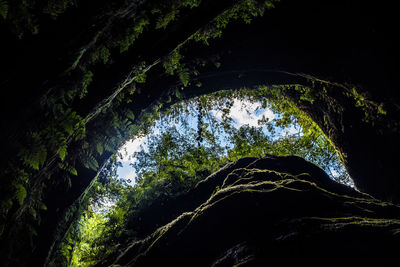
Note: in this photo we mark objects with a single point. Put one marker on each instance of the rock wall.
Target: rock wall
(273, 211)
(74, 88)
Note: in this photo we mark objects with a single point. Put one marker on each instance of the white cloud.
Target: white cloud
(244, 112)
(127, 172)
(131, 147)
(290, 130)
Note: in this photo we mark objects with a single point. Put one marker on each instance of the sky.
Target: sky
(242, 112)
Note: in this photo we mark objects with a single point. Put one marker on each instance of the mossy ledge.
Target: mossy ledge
(273, 210)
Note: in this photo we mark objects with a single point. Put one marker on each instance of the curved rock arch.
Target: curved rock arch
(295, 43)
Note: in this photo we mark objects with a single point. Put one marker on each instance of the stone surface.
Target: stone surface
(266, 212)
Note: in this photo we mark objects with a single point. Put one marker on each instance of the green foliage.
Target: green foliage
(62, 149)
(87, 79)
(20, 193)
(168, 13)
(190, 3)
(140, 78)
(244, 10)
(134, 33)
(165, 19)
(84, 253)
(101, 54)
(56, 7)
(172, 65)
(3, 9)
(89, 161)
(184, 76)
(172, 62)
(80, 130)
(36, 154)
(182, 155)
(51, 144)
(99, 148)
(69, 168)
(306, 93)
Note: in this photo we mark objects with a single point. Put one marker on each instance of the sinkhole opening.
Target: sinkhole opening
(180, 146)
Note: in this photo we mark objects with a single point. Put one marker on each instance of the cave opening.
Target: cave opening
(78, 78)
(182, 146)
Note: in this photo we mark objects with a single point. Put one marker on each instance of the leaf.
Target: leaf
(140, 78)
(3, 9)
(381, 110)
(130, 115)
(184, 76)
(62, 150)
(80, 130)
(32, 212)
(73, 171)
(99, 148)
(69, 168)
(90, 162)
(43, 206)
(178, 94)
(20, 193)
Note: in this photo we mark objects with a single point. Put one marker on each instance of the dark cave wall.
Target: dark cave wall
(338, 44)
(306, 219)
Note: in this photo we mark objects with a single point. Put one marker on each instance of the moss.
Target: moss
(341, 222)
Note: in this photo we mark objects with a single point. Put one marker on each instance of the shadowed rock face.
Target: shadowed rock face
(273, 211)
(338, 45)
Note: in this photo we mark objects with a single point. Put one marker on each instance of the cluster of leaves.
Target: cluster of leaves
(244, 10)
(3, 9)
(372, 111)
(92, 236)
(24, 16)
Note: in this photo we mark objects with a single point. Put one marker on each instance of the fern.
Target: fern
(108, 144)
(89, 161)
(32, 212)
(172, 62)
(87, 79)
(102, 53)
(80, 130)
(62, 149)
(137, 30)
(190, 3)
(178, 94)
(3, 9)
(34, 158)
(163, 21)
(56, 7)
(20, 193)
(184, 76)
(129, 114)
(99, 148)
(69, 168)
